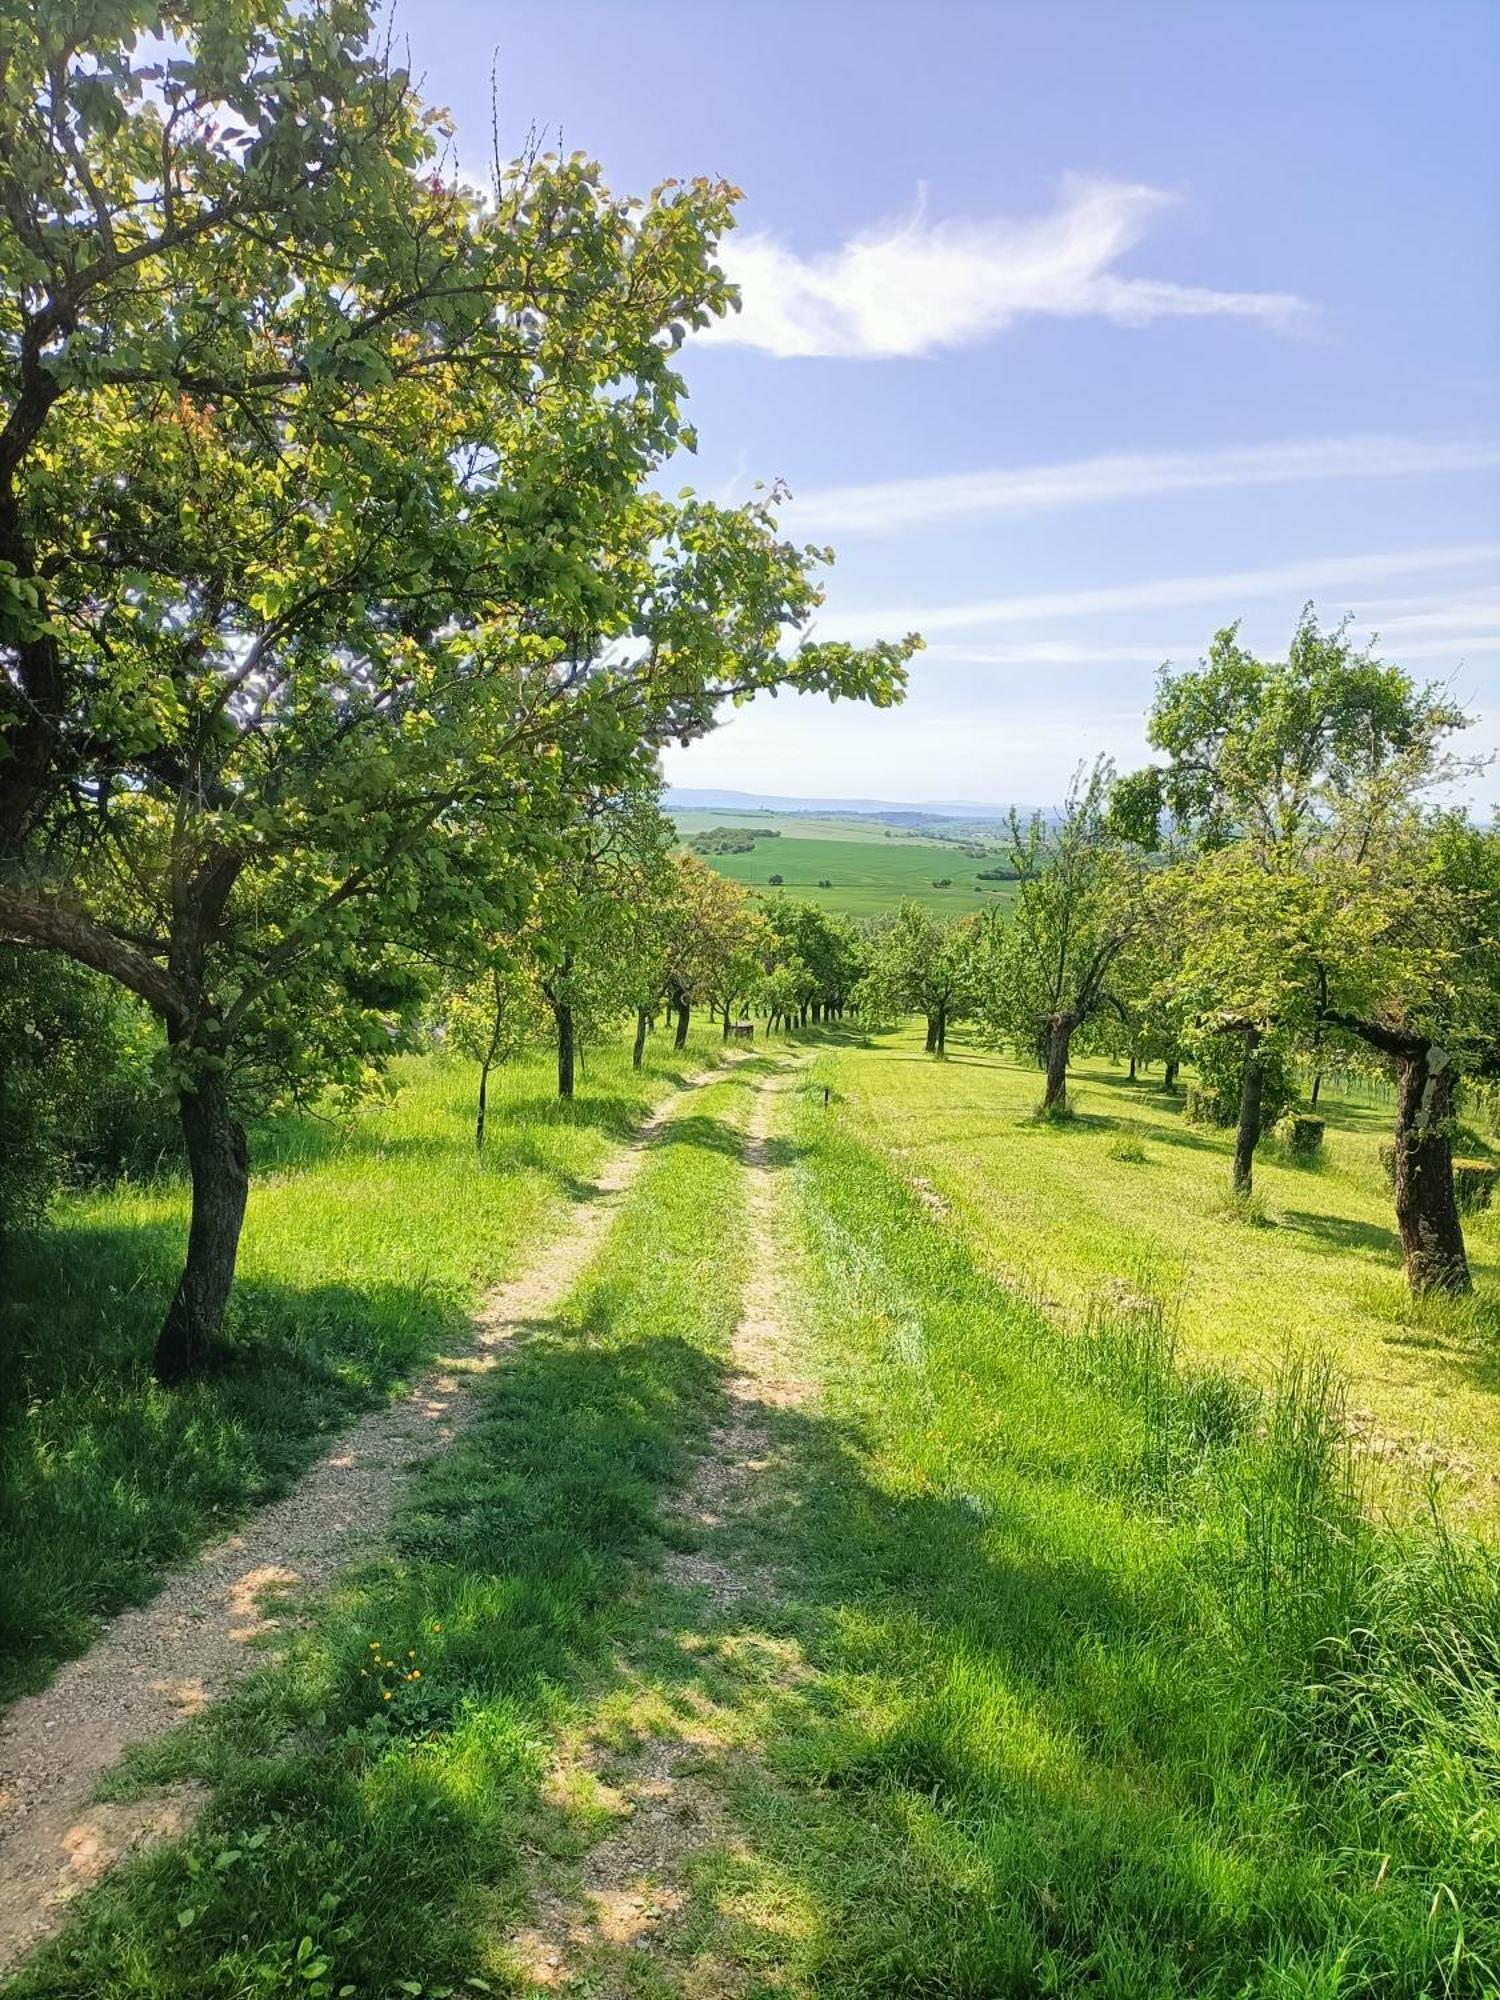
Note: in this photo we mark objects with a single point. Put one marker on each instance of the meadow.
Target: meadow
(1127, 1195)
(1054, 1662)
(868, 867)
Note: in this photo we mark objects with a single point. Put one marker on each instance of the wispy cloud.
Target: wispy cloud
(1224, 592)
(1082, 482)
(913, 286)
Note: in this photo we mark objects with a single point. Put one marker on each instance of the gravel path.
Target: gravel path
(153, 1667)
(671, 1806)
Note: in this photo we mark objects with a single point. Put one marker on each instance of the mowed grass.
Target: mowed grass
(375, 1847)
(1103, 1682)
(868, 872)
(366, 1246)
(1059, 1212)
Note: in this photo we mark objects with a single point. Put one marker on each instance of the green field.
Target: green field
(896, 1629)
(1070, 1219)
(869, 867)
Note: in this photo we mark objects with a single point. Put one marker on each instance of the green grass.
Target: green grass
(1104, 1684)
(374, 1847)
(366, 1247)
(870, 871)
(1060, 1212)
(1074, 1667)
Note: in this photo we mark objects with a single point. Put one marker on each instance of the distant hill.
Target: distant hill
(895, 812)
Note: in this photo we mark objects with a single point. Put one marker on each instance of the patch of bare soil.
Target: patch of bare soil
(668, 1799)
(153, 1668)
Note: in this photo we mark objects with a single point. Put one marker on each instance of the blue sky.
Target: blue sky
(1079, 329)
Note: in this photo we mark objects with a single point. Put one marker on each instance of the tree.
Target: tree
(705, 925)
(1277, 771)
(919, 966)
(1411, 971)
(1045, 971)
(493, 1016)
(827, 947)
(591, 951)
(328, 570)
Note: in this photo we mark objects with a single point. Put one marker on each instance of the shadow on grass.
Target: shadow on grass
(1343, 1232)
(1020, 1726)
(106, 1480)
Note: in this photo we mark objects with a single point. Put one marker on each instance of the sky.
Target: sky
(1079, 328)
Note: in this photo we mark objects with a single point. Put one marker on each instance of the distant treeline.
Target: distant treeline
(732, 839)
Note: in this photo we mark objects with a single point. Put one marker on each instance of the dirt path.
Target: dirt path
(668, 1799)
(151, 1668)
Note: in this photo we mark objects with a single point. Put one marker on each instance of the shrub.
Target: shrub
(79, 1098)
(775, 881)
(1473, 1184)
(1302, 1135)
(1128, 1150)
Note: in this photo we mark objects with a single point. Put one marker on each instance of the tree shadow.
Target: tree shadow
(106, 1480)
(1342, 1232)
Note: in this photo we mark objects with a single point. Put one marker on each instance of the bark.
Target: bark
(1317, 1084)
(1059, 1042)
(1247, 1132)
(932, 1034)
(219, 1164)
(942, 1030)
(1169, 1074)
(642, 1023)
(1132, 1069)
(566, 1047)
(684, 1016)
(1426, 1207)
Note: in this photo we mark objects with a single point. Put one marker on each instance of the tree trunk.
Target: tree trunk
(1426, 1208)
(684, 1015)
(1316, 1086)
(1169, 1074)
(642, 1023)
(219, 1164)
(486, 1066)
(1247, 1132)
(1132, 1069)
(932, 1034)
(1059, 1041)
(942, 1030)
(566, 1047)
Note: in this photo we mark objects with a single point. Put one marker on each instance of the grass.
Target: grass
(1071, 1666)
(1066, 1210)
(1106, 1686)
(374, 1847)
(366, 1246)
(869, 872)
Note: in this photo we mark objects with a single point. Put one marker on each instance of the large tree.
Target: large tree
(1277, 772)
(329, 574)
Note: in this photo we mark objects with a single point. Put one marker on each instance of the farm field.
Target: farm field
(805, 1612)
(1058, 1212)
(869, 873)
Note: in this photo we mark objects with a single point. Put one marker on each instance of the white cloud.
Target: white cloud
(1029, 489)
(1225, 592)
(913, 286)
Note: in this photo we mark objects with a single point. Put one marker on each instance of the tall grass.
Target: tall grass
(1133, 1694)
